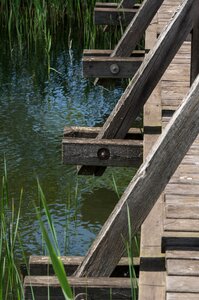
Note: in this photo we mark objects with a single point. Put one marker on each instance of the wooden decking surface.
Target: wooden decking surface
(176, 214)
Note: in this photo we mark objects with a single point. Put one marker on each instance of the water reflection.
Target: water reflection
(34, 110)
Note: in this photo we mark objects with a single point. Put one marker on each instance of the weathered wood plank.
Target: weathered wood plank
(182, 211)
(93, 288)
(193, 255)
(127, 3)
(41, 265)
(148, 75)
(148, 184)
(182, 296)
(136, 28)
(102, 52)
(195, 45)
(110, 67)
(183, 284)
(92, 132)
(190, 225)
(114, 16)
(120, 153)
(182, 267)
(152, 271)
(178, 189)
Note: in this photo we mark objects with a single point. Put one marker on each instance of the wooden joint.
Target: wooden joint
(105, 15)
(102, 152)
(111, 67)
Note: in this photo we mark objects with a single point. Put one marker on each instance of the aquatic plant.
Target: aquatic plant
(11, 286)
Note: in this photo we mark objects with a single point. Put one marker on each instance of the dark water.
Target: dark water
(34, 108)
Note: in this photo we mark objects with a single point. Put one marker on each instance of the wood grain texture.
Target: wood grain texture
(114, 16)
(148, 75)
(110, 67)
(183, 284)
(120, 153)
(41, 265)
(182, 296)
(182, 267)
(195, 45)
(148, 184)
(100, 288)
(136, 28)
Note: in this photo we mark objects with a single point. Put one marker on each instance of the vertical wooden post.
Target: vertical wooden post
(195, 44)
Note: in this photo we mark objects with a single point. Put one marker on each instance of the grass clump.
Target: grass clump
(11, 286)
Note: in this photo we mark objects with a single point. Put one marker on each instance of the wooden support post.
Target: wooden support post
(147, 77)
(195, 45)
(136, 28)
(144, 190)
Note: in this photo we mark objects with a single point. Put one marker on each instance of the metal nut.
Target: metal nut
(103, 154)
(114, 68)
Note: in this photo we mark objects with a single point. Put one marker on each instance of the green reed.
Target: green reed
(11, 286)
(37, 20)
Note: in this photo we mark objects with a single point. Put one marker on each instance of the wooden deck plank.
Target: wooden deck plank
(182, 284)
(182, 267)
(182, 296)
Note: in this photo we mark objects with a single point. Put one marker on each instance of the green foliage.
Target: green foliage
(11, 286)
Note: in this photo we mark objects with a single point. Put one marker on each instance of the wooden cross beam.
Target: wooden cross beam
(145, 80)
(152, 177)
(114, 16)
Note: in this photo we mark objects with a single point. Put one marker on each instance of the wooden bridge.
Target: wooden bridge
(163, 196)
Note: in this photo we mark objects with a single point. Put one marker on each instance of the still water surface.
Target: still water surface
(34, 108)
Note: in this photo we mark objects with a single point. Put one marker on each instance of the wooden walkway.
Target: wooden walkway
(174, 220)
(169, 258)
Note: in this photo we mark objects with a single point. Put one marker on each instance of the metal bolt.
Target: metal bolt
(103, 154)
(114, 68)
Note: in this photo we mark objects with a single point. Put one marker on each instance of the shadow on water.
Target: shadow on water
(35, 108)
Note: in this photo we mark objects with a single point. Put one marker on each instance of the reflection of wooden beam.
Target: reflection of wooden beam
(119, 153)
(111, 67)
(114, 16)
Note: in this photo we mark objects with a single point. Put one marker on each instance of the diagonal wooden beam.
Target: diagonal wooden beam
(151, 179)
(143, 191)
(136, 28)
(146, 78)
(195, 45)
(127, 3)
